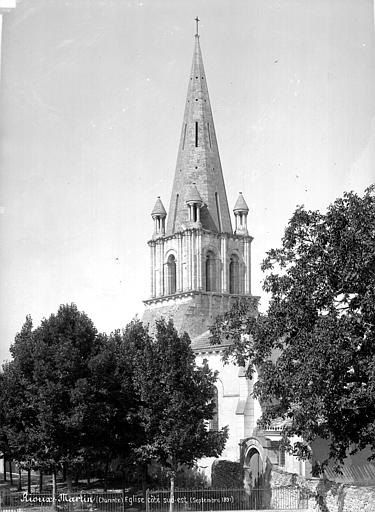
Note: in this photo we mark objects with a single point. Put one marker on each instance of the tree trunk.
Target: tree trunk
(29, 480)
(68, 478)
(54, 489)
(171, 496)
(40, 481)
(19, 488)
(10, 473)
(5, 467)
(106, 475)
(144, 473)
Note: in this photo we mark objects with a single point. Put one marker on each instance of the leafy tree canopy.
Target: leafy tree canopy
(67, 394)
(177, 398)
(314, 350)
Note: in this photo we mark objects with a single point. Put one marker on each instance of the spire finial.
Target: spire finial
(197, 20)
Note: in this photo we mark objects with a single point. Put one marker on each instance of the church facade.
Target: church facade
(200, 266)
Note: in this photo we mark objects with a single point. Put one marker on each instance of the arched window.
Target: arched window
(210, 272)
(214, 423)
(234, 274)
(171, 276)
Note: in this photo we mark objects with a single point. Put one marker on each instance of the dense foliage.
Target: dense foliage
(227, 474)
(314, 350)
(176, 400)
(74, 399)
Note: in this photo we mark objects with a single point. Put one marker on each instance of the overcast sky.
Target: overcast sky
(91, 106)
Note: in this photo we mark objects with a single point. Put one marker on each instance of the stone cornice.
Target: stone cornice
(199, 231)
(192, 293)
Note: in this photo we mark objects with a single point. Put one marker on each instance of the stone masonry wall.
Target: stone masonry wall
(327, 496)
(193, 313)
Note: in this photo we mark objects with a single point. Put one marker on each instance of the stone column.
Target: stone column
(189, 260)
(185, 262)
(247, 258)
(224, 259)
(179, 277)
(152, 265)
(161, 266)
(199, 261)
(157, 269)
(244, 270)
(193, 260)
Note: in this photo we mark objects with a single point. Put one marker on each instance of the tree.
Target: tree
(19, 425)
(68, 400)
(112, 401)
(49, 384)
(4, 447)
(177, 399)
(314, 350)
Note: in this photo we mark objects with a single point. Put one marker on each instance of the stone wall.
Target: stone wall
(327, 496)
(193, 312)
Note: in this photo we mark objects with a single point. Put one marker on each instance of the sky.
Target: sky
(91, 104)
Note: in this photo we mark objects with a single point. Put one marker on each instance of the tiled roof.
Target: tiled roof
(158, 208)
(202, 342)
(240, 204)
(193, 195)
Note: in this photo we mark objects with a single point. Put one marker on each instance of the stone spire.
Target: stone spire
(198, 160)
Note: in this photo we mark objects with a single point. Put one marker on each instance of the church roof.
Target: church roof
(241, 205)
(158, 208)
(202, 343)
(198, 159)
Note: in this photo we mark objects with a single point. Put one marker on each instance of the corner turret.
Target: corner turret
(241, 211)
(159, 214)
(195, 203)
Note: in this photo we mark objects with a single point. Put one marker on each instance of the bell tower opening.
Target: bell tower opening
(171, 275)
(210, 272)
(199, 266)
(234, 274)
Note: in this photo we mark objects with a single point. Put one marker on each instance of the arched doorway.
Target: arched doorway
(253, 469)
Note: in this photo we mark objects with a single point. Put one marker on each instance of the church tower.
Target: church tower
(199, 265)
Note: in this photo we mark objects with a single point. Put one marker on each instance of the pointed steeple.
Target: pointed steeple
(198, 159)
